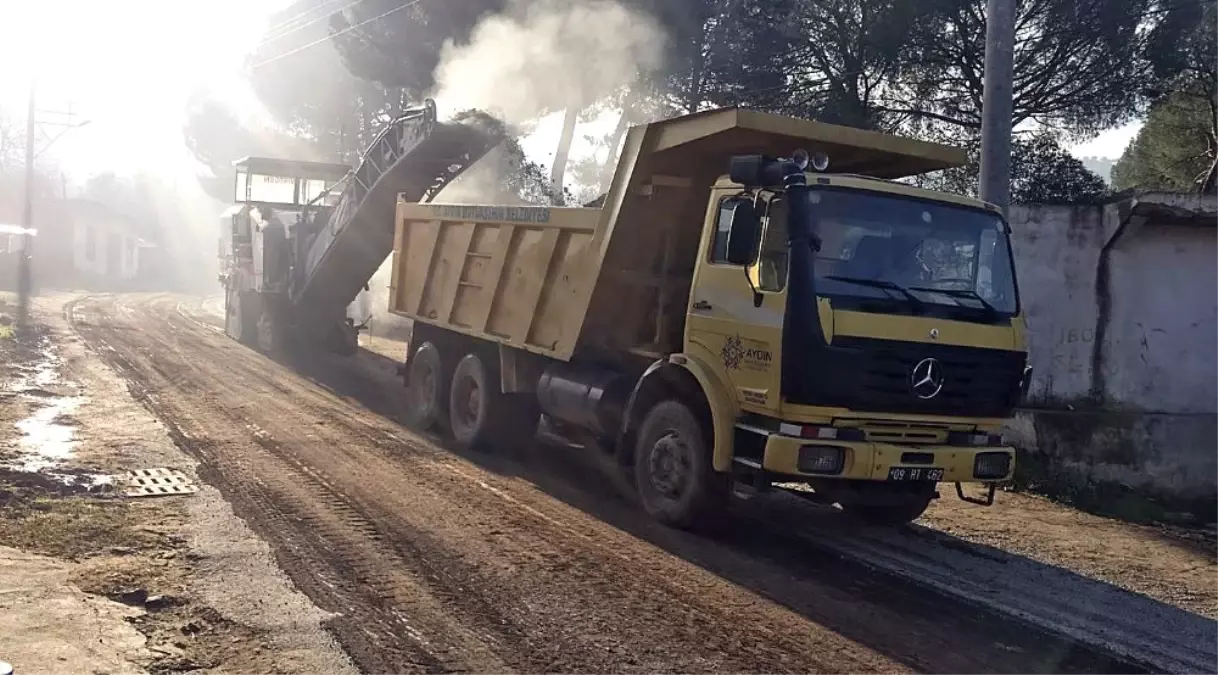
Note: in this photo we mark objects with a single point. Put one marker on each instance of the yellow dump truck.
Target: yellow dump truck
(729, 319)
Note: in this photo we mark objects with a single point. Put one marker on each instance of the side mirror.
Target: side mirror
(742, 241)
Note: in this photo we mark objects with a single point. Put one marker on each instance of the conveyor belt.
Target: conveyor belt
(415, 155)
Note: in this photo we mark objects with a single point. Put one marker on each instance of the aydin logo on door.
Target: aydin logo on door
(733, 352)
(742, 353)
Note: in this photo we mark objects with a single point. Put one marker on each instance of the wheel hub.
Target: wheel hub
(473, 404)
(266, 332)
(424, 390)
(669, 465)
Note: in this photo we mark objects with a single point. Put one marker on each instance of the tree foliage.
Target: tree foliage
(1042, 172)
(1174, 150)
(850, 57)
(1178, 146)
(217, 136)
(1078, 65)
(1081, 66)
(402, 49)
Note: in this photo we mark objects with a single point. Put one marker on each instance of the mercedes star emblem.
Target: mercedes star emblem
(926, 379)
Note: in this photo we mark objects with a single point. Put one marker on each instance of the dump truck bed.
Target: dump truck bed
(611, 280)
(515, 274)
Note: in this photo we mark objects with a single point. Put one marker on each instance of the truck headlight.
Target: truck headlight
(823, 459)
(991, 465)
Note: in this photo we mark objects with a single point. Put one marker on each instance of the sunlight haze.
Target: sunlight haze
(128, 67)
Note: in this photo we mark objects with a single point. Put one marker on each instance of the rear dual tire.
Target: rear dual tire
(427, 388)
(467, 399)
(481, 415)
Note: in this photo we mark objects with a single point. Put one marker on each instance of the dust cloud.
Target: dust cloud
(538, 57)
(547, 55)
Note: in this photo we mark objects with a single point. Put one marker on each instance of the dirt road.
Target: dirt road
(436, 562)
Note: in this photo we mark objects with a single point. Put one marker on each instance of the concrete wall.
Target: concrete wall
(1122, 308)
(1057, 252)
(1163, 355)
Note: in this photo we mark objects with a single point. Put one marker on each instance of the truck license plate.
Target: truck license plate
(915, 473)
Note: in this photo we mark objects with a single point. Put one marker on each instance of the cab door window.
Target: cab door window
(735, 236)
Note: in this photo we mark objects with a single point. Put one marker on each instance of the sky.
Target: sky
(92, 58)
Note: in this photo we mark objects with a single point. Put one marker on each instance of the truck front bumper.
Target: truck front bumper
(866, 460)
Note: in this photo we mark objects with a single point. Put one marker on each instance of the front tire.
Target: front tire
(270, 336)
(241, 317)
(676, 482)
(232, 315)
(481, 415)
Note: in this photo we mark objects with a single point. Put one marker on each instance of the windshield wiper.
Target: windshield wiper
(960, 293)
(878, 283)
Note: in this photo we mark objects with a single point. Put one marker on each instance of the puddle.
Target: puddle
(47, 435)
(48, 439)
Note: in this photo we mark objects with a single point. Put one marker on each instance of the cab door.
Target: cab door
(738, 297)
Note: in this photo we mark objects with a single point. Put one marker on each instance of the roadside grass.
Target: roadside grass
(73, 527)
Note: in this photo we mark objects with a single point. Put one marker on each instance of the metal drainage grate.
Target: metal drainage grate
(157, 483)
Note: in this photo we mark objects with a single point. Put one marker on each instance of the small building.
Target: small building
(103, 247)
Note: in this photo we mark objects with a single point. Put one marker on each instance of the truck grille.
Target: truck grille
(874, 376)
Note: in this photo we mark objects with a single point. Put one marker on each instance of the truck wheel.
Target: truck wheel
(232, 315)
(241, 319)
(672, 468)
(481, 415)
(896, 510)
(426, 389)
(269, 333)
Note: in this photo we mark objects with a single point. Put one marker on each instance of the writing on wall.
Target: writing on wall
(1061, 349)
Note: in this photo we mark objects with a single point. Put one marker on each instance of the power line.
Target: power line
(344, 31)
(284, 25)
(281, 33)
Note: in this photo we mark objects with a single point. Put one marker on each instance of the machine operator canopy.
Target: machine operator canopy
(267, 180)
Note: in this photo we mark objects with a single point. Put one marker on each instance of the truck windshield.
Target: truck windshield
(910, 250)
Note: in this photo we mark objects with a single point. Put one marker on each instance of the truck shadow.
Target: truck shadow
(814, 561)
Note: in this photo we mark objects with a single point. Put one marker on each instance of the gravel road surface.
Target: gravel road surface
(432, 561)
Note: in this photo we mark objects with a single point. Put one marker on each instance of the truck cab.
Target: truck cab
(873, 345)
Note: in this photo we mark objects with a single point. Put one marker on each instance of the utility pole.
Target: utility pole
(24, 273)
(997, 105)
